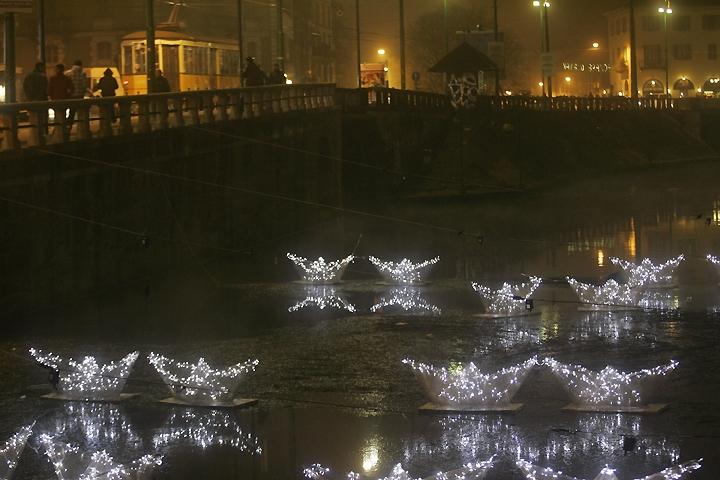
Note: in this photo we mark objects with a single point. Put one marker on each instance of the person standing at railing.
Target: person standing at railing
(161, 84)
(253, 75)
(60, 87)
(107, 84)
(80, 88)
(277, 76)
(35, 85)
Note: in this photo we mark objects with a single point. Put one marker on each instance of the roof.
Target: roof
(465, 58)
(168, 35)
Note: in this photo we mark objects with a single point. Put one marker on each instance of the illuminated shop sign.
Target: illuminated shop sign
(586, 67)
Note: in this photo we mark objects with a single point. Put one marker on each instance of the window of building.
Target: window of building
(653, 57)
(711, 22)
(712, 51)
(681, 23)
(685, 86)
(651, 24)
(682, 52)
(104, 50)
(52, 54)
(653, 87)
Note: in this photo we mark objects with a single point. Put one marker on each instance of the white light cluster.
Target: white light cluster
(322, 298)
(403, 272)
(470, 471)
(648, 274)
(408, 299)
(206, 429)
(508, 299)
(608, 387)
(11, 450)
(533, 472)
(72, 464)
(86, 379)
(99, 423)
(715, 261)
(320, 271)
(607, 296)
(467, 385)
(659, 300)
(198, 382)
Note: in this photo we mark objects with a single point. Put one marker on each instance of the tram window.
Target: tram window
(229, 62)
(139, 58)
(196, 60)
(127, 60)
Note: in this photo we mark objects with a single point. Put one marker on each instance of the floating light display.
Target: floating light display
(467, 386)
(609, 296)
(470, 471)
(647, 274)
(99, 423)
(70, 463)
(407, 298)
(86, 379)
(322, 298)
(533, 472)
(320, 271)
(403, 272)
(659, 300)
(715, 261)
(508, 300)
(207, 429)
(198, 383)
(11, 450)
(608, 387)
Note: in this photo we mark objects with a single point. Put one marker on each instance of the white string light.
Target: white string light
(403, 272)
(466, 385)
(659, 300)
(408, 299)
(476, 470)
(608, 387)
(320, 271)
(70, 463)
(206, 429)
(198, 382)
(508, 299)
(86, 379)
(533, 472)
(12, 449)
(715, 261)
(99, 423)
(611, 295)
(322, 297)
(648, 274)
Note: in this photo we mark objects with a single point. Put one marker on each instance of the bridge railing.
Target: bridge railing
(577, 104)
(46, 123)
(362, 98)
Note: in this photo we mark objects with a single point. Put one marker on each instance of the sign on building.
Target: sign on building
(16, 6)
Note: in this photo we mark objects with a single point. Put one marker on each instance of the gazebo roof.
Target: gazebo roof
(463, 59)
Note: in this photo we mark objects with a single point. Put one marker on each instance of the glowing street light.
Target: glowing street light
(381, 51)
(545, 38)
(665, 11)
(568, 79)
(596, 45)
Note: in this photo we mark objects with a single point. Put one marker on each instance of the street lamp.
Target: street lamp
(381, 51)
(545, 39)
(596, 45)
(665, 11)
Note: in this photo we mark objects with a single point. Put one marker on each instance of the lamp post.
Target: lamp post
(357, 42)
(402, 44)
(545, 38)
(445, 25)
(240, 40)
(150, 52)
(665, 11)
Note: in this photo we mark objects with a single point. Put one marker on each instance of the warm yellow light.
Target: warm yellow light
(386, 69)
(596, 45)
(568, 79)
(381, 51)
(536, 3)
(541, 84)
(601, 258)
(661, 10)
(508, 92)
(669, 11)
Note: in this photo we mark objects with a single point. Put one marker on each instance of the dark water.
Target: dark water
(330, 382)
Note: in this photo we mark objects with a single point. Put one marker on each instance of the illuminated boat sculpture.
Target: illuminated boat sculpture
(464, 388)
(86, 379)
(471, 471)
(322, 297)
(607, 297)
(408, 299)
(206, 428)
(70, 463)
(403, 272)
(608, 390)
(646, 274)
(715, 262)
(11, 450)
(320, 271)
(201, 385)
(677, 472)
(509, 300)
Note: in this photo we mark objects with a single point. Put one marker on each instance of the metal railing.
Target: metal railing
(45, 123)
(592, 104)
(362, 98)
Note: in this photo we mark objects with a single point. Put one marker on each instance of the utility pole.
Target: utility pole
(41, 32)
(497, 41)
(547, 45)
(280, 36)
(445, 24)
(633, 54)
(9, 41)
(357, 40)
(240, 40)
(402, 44)
(150, 53)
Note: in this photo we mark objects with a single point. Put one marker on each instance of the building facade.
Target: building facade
(677, 53)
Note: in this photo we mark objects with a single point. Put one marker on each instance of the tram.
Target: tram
(189, 63)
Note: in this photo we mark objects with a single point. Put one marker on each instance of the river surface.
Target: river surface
(330, 382)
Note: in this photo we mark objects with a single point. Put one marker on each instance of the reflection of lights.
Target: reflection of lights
(600, 258)
(660, 300)
(466, 385)
(86, 379)
(322, 298)
(403, 272)
(469, 471)
(408, 299)
(509, 299)
(206, 429)
(715, 261)
(11, 450)
(648, 274)
(611, 327)
(99, 423)
(533, 472)
(370, 459)
(605, 297)
(320, 271)
(198, 382)
(608, 387)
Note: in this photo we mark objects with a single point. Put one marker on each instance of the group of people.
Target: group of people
(255, 77)
(61, 86)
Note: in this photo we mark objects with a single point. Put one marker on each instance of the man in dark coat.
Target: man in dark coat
(107, 84)
(277, 76)
(60, 87)
(253, 75)
(35, 84)
(161, 83)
